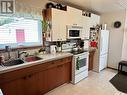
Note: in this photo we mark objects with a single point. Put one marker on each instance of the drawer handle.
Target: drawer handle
(30, 76)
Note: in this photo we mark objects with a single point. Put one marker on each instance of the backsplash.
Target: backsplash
(14, 53)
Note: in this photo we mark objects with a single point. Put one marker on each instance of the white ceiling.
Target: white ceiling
(97, 6)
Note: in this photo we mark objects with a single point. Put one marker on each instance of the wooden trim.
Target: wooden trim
(112, 68)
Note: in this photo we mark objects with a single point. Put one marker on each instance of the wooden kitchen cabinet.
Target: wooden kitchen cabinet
(57, 19)
(74, 16)
(38, 79)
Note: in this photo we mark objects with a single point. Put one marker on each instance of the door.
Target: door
(53, 77)
(31, 84)
(86, 27)
(95, 19)
(103, 62)
(74, 16)
(27, 85)
(15, 87)
(58, 25)
(104, 41)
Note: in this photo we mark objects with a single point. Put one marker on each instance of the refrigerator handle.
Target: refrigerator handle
(101, 43)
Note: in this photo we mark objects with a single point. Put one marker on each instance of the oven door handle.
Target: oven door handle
(77, 63)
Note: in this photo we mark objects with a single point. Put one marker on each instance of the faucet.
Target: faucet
(21, 52)
(8, 50)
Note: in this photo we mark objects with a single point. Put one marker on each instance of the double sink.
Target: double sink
(21, 61)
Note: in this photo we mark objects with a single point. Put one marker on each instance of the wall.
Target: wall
(30, 6)
(124, 49)
(116, 36)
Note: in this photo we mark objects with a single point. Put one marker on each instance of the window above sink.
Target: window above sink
(20, 32)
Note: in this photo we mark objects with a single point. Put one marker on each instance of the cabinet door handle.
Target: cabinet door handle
(29, 76)
(25, 77)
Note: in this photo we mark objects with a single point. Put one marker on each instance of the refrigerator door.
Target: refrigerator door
(103, 62)
(104, 41)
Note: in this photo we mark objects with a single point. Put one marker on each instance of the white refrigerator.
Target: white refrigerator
(104, 43)
(101, 54)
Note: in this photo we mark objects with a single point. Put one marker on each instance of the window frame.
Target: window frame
(27, 44)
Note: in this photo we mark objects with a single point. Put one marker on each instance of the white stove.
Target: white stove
(79, 63)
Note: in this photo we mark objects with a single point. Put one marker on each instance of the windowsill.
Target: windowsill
(23, 47)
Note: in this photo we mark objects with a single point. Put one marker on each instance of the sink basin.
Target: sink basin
(20, 61)
(13, 62)
(32, 58)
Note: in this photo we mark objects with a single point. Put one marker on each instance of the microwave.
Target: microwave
(74, 32)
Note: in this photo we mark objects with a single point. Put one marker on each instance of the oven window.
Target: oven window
(82, 62)
(74, 33)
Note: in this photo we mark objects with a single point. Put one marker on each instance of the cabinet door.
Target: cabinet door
(86, 27)
(63, 23)
(74, 16)
(54, 77)
(50, 79)
(67, 72)
(27, 85)
(32, 84)
(58, 25)
(64, 73)
(16, 87)
(95, 19)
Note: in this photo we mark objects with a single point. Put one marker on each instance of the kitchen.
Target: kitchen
(62, 32)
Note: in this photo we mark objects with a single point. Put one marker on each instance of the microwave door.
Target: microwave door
(74, 33)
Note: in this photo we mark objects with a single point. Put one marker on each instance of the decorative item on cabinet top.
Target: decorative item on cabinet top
(56, 5)
(84, 13)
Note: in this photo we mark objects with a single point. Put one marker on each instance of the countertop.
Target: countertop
(45, 58)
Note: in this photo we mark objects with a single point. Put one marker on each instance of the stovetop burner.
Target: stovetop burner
(78, 52)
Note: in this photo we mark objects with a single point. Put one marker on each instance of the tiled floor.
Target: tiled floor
(95, 84)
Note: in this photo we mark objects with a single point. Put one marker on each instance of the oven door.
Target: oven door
(81, 62)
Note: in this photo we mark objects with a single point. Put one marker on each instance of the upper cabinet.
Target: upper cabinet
(56, 30)
(86, 23)
(58, 20)
(95, 19)
(74, 16)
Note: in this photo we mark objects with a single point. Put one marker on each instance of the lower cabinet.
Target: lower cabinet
(37, 79)
(23, 86)
(54, 77)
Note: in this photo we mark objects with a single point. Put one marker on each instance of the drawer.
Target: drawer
(59, 62)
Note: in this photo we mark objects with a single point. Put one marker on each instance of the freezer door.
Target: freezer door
(103, 62)
(104, 41)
